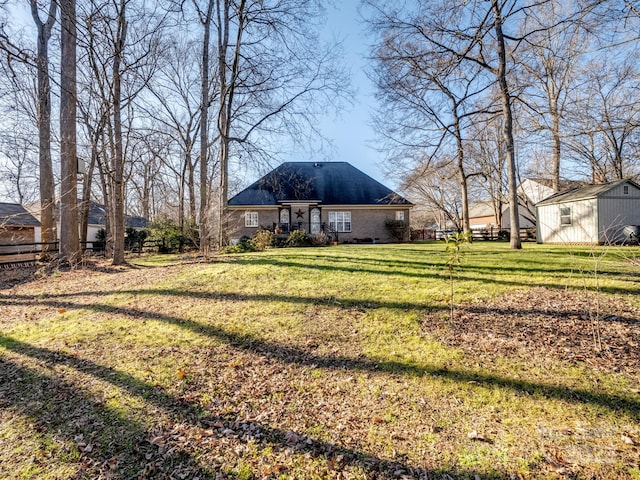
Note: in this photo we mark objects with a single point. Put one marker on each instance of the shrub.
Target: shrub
(243, 246)
(319, 239)
(298, 238)
(398, 228)
(263, 239)
(134, 239)
(101, 240)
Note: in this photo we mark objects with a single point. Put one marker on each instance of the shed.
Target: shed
(17, 228)
(593, 214)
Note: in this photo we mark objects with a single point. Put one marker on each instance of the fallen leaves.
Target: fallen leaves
(544, 324)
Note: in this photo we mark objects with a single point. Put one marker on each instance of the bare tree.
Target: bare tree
(47, 187)
(206, 19)
(551, 61)
(274, 76)
(121, 41)
(69, 242)
(428, 103)
(486, 34)
(434, 184)
(606, 119)
(174, 108)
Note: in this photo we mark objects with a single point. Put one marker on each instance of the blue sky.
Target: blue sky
(351, 133)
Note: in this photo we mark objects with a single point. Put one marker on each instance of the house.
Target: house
(96, 221)
(482, 216)
(530, 191)
(592, 214)
(331, 197)
(17, 226)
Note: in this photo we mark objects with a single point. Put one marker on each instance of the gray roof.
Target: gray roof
(97, 214)
(584, 193)
(329, 183)
(16, 215)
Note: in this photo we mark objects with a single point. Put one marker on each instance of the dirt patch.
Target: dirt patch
(540, 323)
(12, 275)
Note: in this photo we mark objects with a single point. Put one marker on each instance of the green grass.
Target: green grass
(303, 363)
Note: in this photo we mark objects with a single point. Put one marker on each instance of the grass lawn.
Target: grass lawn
(341, 362)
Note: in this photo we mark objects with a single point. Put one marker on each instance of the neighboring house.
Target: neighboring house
(530, 191)
(482, 216)
(593, 214)
(17, 226)
(97, 214)
(333, 197)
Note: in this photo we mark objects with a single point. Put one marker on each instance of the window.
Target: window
(625, 189)
(400, 215)
(565, 215)
(251, 219)
(340, 221)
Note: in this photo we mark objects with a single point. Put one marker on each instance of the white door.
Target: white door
(315, 220)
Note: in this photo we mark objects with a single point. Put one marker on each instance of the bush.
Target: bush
(319, 239)
(134, 239)
(263, 239)
(101, 240)
(245, 245)
(298, 238)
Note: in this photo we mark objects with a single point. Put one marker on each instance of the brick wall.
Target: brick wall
(366, 223)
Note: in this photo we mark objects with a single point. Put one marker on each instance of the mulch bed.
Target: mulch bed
(601, 331)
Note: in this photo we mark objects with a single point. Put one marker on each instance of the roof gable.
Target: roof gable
(16, 215)
(330, 183)
(586, 192)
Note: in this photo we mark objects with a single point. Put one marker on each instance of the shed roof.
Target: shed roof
(16, 215)
(329, 183)
(584, 193)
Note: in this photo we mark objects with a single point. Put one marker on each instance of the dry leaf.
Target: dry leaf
(61, 310)
(181, 374)
(627, 439)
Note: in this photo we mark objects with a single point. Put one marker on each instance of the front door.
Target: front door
(316, 224)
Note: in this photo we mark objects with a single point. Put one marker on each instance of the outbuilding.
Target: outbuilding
(17, 233)
(604, 213)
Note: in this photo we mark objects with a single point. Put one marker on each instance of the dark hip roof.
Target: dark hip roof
(14, 214)
(329, 183)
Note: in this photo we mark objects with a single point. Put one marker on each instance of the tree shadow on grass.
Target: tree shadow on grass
(58, 300)
(73, 427)
(60, 408)
(467, 273)
(294, 355)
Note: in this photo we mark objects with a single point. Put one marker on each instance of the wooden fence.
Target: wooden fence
(25, 253)
(526, 234)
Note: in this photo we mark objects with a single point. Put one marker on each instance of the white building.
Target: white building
(593, 214)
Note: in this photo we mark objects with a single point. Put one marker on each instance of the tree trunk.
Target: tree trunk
(227, 90)
(47, 187)
(69, 244)
(204, 133)
(118, 160)
(462, 176)
(505, 96)
(555, 133)
(86, 192)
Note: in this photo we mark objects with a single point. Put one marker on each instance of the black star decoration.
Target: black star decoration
(299, 213)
